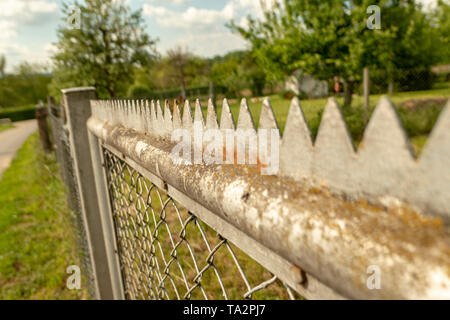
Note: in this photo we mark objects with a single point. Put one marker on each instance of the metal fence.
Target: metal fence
(64, 157)
(166, 252)
(159, 229)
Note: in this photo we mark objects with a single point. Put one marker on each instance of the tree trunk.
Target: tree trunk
(183, 89)
(391, 87)
(212, 92)
(348, 92)
(111, 92)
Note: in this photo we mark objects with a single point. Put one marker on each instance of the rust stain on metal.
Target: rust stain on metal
(330, 237)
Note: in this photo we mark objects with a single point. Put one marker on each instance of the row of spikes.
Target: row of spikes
(384, 163)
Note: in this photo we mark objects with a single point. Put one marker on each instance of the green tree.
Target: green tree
(442, 14)
(327, 38)
(104, 51)
(238, 70)
(27, 84)
(2, 65)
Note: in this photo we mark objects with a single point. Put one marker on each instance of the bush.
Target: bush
(404, 80)
(138, 91)
(191, 93)
(18, 114)
(420, 120)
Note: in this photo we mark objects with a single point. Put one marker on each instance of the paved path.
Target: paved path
(12, 139)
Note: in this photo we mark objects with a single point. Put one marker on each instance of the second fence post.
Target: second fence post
(41, 117)
(78, 111)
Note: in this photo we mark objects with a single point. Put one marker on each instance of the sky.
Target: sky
(28, 27)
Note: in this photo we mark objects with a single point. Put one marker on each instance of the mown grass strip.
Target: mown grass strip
(37, 243)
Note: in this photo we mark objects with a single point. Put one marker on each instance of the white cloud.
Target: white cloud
(17, 13)
(172, 2)
(194, 17)
(203, 30)
(26, 11)
(15, 53)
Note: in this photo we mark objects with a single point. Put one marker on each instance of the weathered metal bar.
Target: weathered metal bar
(107, 224)
(306, 285)
(78, 110)
(335, 240)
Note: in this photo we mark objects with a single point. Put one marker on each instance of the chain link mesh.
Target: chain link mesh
(166, 252)
(61, 140)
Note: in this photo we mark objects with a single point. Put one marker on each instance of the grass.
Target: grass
(4, 127)
(418, 123)
(37, 243)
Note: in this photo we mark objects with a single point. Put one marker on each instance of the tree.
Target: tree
(104, 51)
(25, 85)
(230, 75)
(178, 60)
(238, 70)
(327, 38)
(184, 68)
(443, 24)
(2, 65)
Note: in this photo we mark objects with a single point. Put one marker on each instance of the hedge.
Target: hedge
(192, 92)
(18, 114)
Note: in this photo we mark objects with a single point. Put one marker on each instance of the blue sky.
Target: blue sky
(28, 27)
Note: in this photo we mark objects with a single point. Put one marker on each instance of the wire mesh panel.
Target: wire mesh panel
(60, 138)
(166, 252)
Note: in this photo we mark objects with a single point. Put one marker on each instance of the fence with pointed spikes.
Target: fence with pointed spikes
(329, 214)
(383, 166)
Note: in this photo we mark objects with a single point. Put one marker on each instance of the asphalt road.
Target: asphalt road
(12, 139)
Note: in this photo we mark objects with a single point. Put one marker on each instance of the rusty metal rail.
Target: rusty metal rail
(311, 231)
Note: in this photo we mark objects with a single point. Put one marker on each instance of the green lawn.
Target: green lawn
(417, 123)
(37, 243)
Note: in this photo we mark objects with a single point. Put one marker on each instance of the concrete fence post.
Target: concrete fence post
(78, 110)
(366, 85)
(41, 117)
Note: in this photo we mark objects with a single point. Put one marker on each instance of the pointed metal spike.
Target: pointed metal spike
(159, 112)
(129, 114)
(147, 117)
(187, 116)
(135, 118)
(437, 147)
(245, 120)
(334, 155)
(433, 176)
(177, 123)
(296, 151)
(168, 125)
(153, 117)
(160, 130)
(385, 155)
(141, 115)
(211, 118)
(198, 116)
(226, 119)
(268, 140)
(267, 118)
